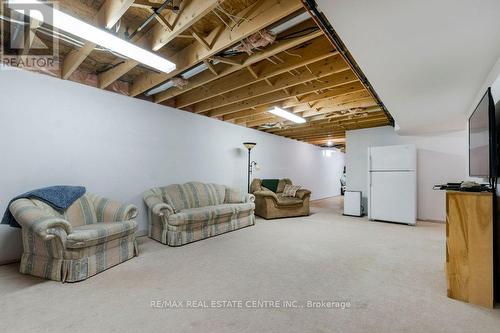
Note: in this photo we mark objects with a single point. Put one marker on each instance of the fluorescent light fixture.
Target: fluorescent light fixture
(186, 75)
(287, 115)
(100, 37)
(164, 86)
(290, 23)
(194, 71)
(167, 85)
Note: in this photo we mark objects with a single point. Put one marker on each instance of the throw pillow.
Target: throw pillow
(290, 190)
(233, 195)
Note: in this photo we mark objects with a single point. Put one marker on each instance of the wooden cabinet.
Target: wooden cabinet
(470, 247)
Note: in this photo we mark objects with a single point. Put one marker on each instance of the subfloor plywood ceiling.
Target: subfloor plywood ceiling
(236, 59)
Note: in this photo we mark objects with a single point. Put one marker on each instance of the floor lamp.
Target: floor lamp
(249, 146)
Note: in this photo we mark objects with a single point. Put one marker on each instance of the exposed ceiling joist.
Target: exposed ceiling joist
(338, 129)
(190, 95)
(316, 51)
(329, 93)
(362, 103)
(329, 126)
(147, 4)
(315, 71)
(267, 119)
(334, 101)
(330, 81)
(299, 71)
(312, 120)
(160, 36)
(191, 13)
(318, 125)
(339, 125)
(327, 141)
(259, 16)
(111, 11)
(341, 129)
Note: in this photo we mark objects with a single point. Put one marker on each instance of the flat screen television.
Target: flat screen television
(483, 132)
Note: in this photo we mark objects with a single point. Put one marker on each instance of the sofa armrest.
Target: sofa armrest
(33, 218)
(302, 194)
(156, 205)
(107, 210)
(48, 227)
(266, 194)
(249, 198)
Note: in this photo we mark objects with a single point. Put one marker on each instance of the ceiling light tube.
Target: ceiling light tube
(100, 37)
(287, 115)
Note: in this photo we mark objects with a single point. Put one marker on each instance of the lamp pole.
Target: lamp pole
(249, 170)
(249, 146)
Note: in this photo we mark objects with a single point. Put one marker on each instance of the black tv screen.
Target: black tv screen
(482, 139)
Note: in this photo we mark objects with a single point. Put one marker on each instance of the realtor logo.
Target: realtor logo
(27, 35)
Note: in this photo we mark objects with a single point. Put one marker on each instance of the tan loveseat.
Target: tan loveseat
(183, 213)
(272, 205)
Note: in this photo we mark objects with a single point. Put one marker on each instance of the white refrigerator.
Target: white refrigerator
(392, 184)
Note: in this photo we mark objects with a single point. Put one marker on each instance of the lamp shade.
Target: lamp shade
(249, 145)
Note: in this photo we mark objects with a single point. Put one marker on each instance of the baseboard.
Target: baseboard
(432, 221)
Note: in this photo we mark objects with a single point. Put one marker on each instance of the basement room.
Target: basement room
(249, 166)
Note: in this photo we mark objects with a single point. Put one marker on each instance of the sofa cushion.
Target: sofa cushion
(99, 233)
(193, 195)
(233, 195)
(210, 214)
(282, 183)
(81, 212)
(291, 190)
(288, 201)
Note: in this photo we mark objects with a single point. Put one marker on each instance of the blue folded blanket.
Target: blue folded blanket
(58, 197)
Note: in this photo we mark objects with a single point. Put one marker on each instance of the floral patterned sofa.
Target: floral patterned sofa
(181, 214)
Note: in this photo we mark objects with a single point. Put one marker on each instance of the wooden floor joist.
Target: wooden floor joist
(326, 67)
(334, 101)
(330, 81)
(263, 14)
(318, 124)
(333, 126)
(111, 11)
(312, 121)
(202, 80)
(160, 36)
(299, 69)
(331, 101)
(261, 71)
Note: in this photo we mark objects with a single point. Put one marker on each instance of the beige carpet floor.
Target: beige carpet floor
(392, 276)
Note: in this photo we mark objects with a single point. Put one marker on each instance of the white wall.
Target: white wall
(440, 159)
(61, 132)
(493, 81)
